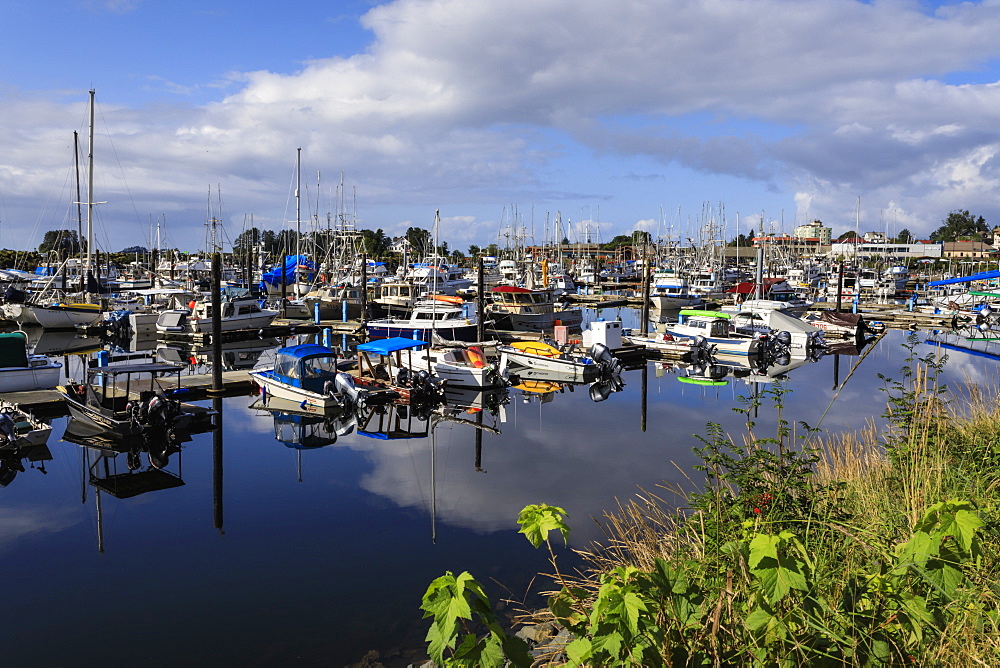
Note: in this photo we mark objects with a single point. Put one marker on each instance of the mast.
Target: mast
(298, 216)
(90, 187)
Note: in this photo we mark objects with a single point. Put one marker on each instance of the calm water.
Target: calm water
(324, 554)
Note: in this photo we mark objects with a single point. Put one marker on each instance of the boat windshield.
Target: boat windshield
(319, 367)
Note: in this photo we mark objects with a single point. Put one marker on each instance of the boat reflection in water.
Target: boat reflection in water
(306, 427)
(12, 460)
(124, 468)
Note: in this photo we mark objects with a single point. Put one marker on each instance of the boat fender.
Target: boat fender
(192, 304)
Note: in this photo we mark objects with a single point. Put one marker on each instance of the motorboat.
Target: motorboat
(714, 326)
(381, 367)
(761, 316)
(307, 375)
(523, 309)
(445, 319)
(128, 400)
(669, 290)
(458, 365)
(237, 313)
(53, 315)
(20, 371)
(559, 363)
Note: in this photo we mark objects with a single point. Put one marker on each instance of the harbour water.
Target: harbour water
(269, 554)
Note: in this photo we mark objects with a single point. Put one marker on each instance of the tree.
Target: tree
(375, 244)
(904, 237)
(850, 234)
(742, 240)
(419, 240)
(63, 242)
(961, 223)
(474, 250)
(132, 250)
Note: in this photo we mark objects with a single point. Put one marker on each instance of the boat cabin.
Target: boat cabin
(521, 300)
(307, 366)
(109, 389)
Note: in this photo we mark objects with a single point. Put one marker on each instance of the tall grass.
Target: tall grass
(877, 547)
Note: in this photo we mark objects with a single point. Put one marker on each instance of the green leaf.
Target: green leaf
(760, 618)
(579, 651)
(761, 546)
(537, 520)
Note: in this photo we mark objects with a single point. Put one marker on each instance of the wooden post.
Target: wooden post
(481, 302)
(645, 291)
(217, 323)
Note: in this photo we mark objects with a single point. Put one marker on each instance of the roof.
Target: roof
(981, 276)
(386, 346)
(509, 288)
(305, 350)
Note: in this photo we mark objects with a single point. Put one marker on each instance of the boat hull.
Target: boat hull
(302, 397)
(386, 330)
(51, 317)
(166, 322)
(21, 379)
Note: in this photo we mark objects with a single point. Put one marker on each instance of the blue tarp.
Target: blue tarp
(291, 262)
(981, 276)
(386, 346)
(305, 350)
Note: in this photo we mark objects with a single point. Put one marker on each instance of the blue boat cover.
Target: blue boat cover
(386, 346)
(291, 262)
(305, 350)
(981, 276)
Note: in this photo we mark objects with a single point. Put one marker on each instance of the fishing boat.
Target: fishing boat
(446, 319)
(669, 290)
(714, 326)
(237, 313)
(55, 315)
(20, 371)
(762, 316)
(522, 309)
(307, 375)
(131, 400)
(381, 367)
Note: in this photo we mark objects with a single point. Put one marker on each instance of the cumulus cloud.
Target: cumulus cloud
(469, 106)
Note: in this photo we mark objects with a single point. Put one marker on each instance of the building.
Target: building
(859, 248)
(969, 250)
(814, 230)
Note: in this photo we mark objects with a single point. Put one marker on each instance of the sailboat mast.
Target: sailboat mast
(298, 215)
(90, 185)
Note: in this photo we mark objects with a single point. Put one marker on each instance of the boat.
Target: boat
(307, 375)
(381, 367)
(771, 289)
(129, 400)
(669, 290)
(237, 313)
(714, 326)
(20, 428)
(55, 315)
(435, 275)
(20, 371)
(522, 309)
(557, 363)
(458, 365)
(762, 316)
(429, 317)
(309, 428)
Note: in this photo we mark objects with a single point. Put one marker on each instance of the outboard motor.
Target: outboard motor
(345, 385)
(601, 354)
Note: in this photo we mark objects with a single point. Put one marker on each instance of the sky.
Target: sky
(506, 117)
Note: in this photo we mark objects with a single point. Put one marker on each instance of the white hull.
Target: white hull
(295, 394)
(49, 317)
(251, 321)
(22, 379)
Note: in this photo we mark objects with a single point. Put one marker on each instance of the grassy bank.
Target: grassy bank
(871, 548)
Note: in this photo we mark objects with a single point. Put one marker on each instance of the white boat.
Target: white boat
(20, 371)
(441, 316)
(237, 313)
(57, 315)
(562, 364)
(763, 316)
(459, 366)
(522, 309)
(669, 290)
(435, 275)
(714, 326)
(305, 374)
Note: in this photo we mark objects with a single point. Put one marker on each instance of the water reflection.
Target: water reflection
(13, 459)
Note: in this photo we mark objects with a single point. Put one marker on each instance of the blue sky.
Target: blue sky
(651, 114)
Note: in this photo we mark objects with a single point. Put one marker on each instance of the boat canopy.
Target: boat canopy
(391, 345)
(510, 288)
(138, 368)
(981, 276)
(13, 349)
(706, 314)
(307, 365)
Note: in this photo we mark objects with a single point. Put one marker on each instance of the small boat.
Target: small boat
(523, 309)
(20, 371)
(306, 374)
(664, 344)
(761, 316)
(559, 363)
(714, 326)
(669, 290)
(130, 400)
(57, 315)
(237, 313)
(459, 366)
(381, 367)
(428, 318)
(22, 428)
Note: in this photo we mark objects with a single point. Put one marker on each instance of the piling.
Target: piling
(217, 387)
